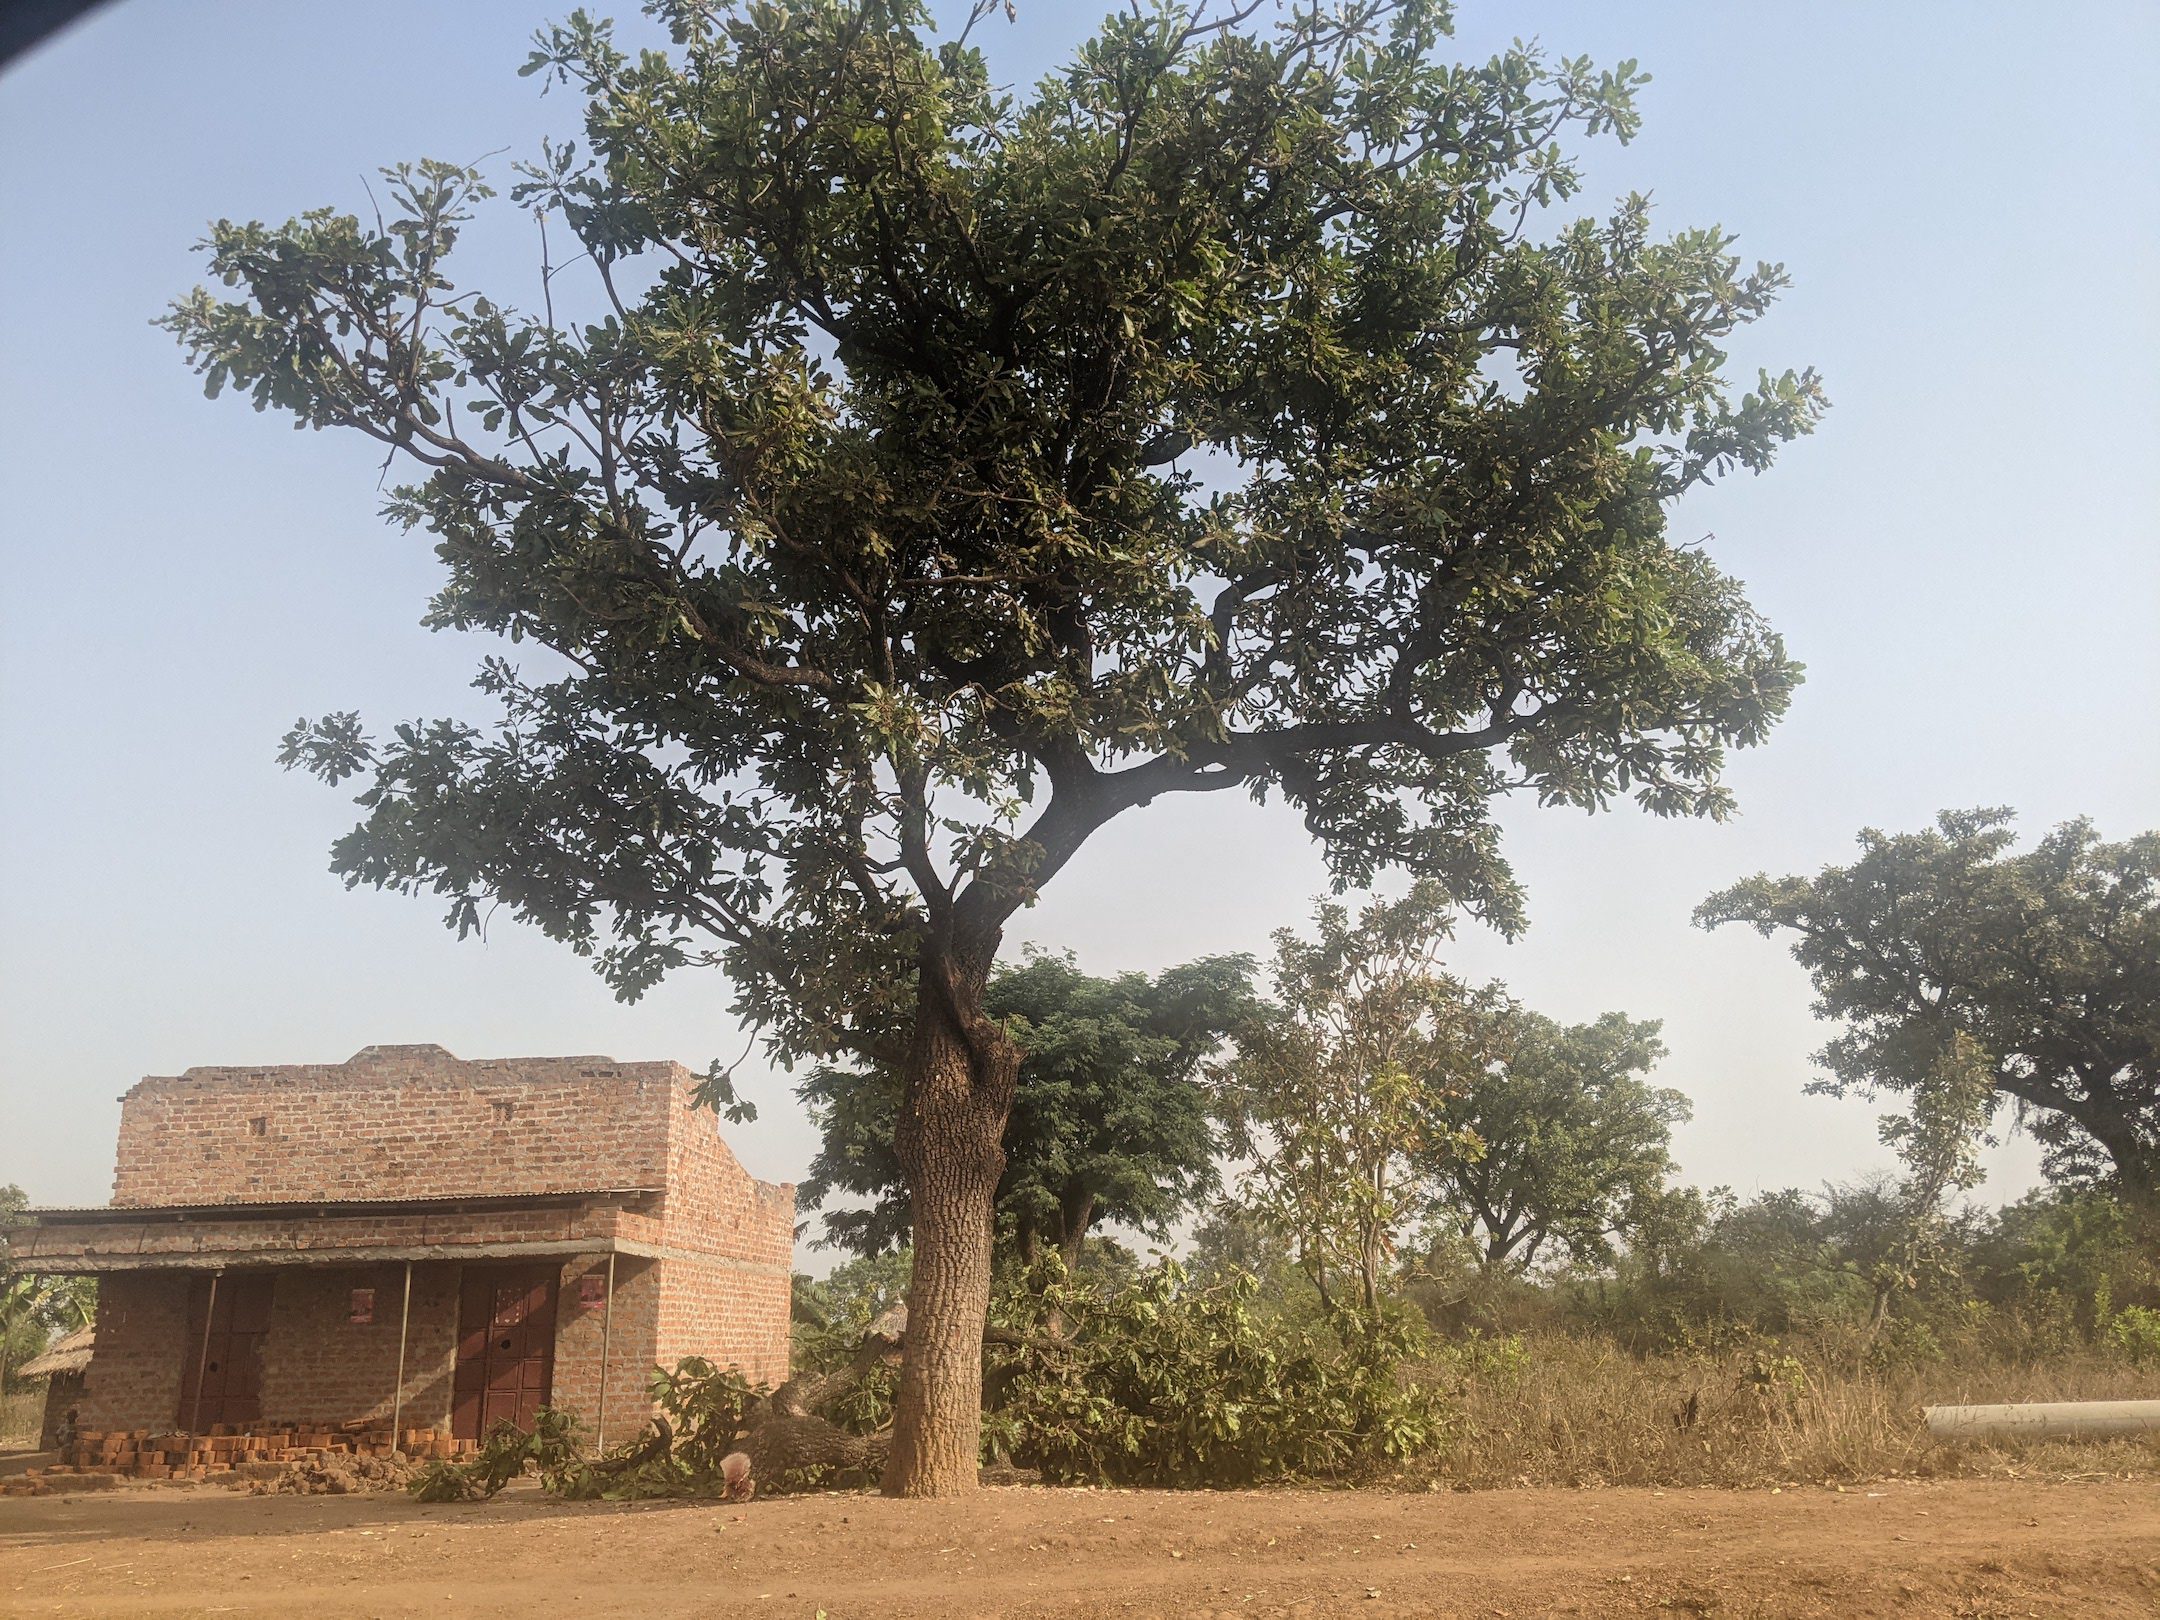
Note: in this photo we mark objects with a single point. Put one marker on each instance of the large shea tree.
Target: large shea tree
(943, 470)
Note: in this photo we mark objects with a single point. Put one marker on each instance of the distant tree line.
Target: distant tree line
(1385, 1128)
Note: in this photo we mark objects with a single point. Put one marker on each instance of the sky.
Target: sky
(1964, 554)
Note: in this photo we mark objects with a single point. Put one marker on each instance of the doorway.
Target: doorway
(222, 1376)
(506, 1347)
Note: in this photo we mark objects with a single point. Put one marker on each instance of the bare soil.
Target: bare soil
(1907, 1548)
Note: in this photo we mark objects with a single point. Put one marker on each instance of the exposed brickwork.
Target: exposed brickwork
(731, 1243)
(133, 1380)
(711, 1203)
(94, 1459)
(632, 1348)
(701, 1262)
(733, 1317)
(394, 1121)
(319, 1366)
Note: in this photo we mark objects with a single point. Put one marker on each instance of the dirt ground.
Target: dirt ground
(1966, 1547)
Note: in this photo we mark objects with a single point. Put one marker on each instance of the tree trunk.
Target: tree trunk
(1078, 1215)
(1372, 1250)
(2136, 1162)
(1879, 1313)
(960, 1077)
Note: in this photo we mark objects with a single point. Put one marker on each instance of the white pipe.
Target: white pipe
(2044, 1420)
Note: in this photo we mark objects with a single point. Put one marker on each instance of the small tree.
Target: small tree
(932, 474)
(1575, 1147)
(2047, 960)
(1109, 1119)
(1231, 1240)
(1340, 1094)
(1938, 1141)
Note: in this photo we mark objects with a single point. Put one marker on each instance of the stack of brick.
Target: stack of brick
(142, 1454)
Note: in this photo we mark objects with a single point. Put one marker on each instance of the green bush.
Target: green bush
(506, 1451)
(1169, 1382)
(2135, 1332)
(1498, 1361)
(704, 1408)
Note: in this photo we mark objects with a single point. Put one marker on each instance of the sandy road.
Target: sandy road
(1965, 1548)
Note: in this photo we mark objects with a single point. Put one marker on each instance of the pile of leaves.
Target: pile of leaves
(1172, 1382)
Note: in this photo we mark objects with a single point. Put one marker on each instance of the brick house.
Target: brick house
(408, 1239)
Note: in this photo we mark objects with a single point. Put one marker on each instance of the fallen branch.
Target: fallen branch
(654, 1446)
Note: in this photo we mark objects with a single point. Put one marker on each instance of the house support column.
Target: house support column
(607, 1328)
(202, 1354)
(397, 1397)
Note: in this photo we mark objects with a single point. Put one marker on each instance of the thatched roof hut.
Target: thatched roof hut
(67, 1355)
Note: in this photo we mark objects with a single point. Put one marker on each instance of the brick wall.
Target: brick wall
(731, 1249)
(321, 1366)
(632, 1349)
(732, 1316)
(133, 1381)
(394, 1121)
(711, 1203)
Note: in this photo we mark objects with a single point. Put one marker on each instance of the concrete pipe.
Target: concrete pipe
(2045, 1420)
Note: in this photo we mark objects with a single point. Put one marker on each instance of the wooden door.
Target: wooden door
(506, 1347)
(221, 1378)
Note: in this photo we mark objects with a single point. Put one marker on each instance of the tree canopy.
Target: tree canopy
(887, 485)
(1110, 1120)
(1573, 1143)
(2047, 960)
(931, 472)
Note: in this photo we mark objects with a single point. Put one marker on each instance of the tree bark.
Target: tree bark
(1879, 1313)
(1078, 1215)
(2136, 1161)
(961, 1070)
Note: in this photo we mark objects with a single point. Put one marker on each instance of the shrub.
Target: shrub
(704, 1407)
(2135, 1331)
(1169, 1382)
(1498, 1362)
(506, 1451)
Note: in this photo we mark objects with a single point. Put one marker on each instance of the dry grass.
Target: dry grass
(1570, 1411)
(22, 1414)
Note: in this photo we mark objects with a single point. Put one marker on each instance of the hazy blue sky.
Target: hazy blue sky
(1964, 555)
